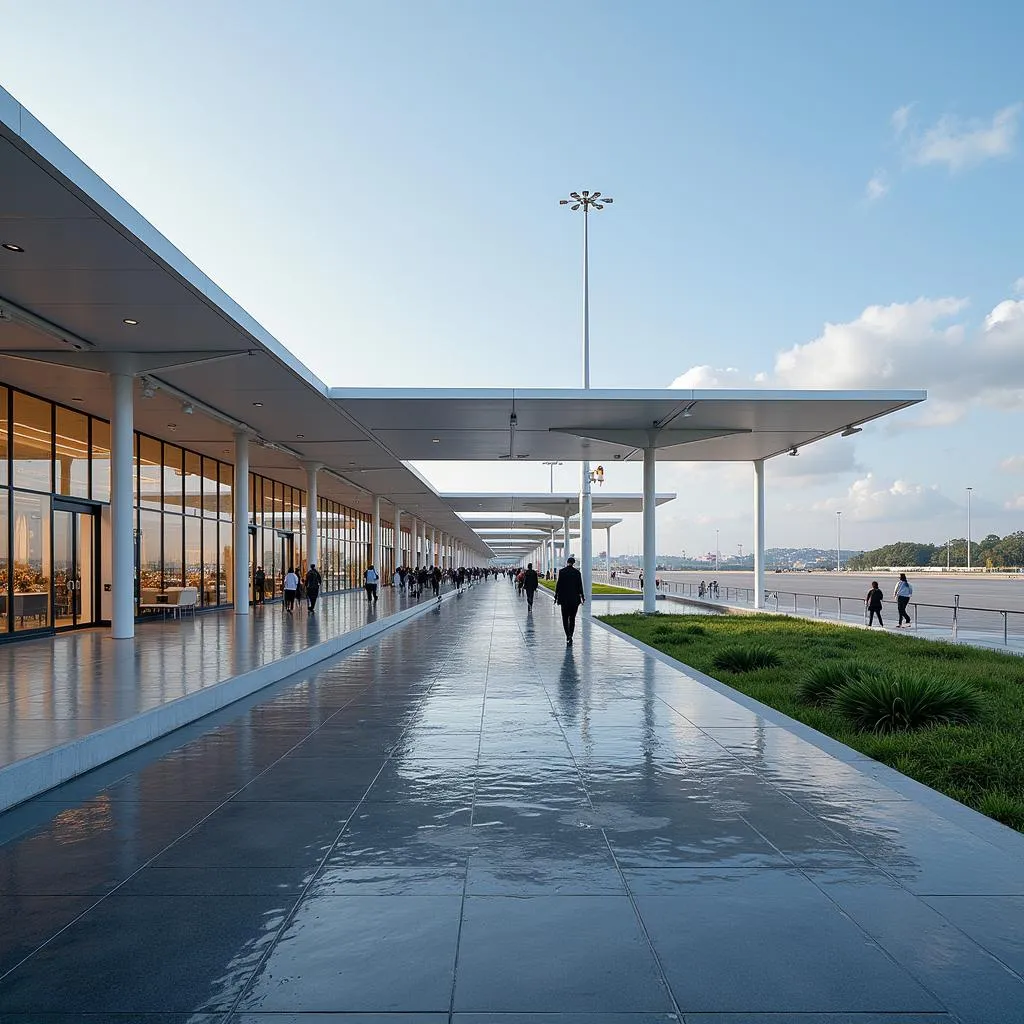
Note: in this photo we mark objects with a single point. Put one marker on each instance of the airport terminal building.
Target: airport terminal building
(155, 439)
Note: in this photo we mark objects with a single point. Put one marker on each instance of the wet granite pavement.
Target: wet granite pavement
(464, 821)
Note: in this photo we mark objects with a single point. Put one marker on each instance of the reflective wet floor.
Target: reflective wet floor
(465, 821)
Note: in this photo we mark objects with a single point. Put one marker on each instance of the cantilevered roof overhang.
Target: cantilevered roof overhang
(559, 504)
(606, 426)
(89, 262)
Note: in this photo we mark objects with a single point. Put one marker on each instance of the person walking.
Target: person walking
(260, 582)
(530, 584)
(874, 604)
(569, 596)
(902, 594)
(313, 583)
(370, 581)
(291, 588)
(435, 582)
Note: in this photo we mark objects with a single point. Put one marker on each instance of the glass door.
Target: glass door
(75, 566)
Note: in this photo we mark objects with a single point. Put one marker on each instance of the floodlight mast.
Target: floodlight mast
(586, 200)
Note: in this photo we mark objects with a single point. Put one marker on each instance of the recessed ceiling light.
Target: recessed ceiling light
(227, 451)
(300, 436)
(130, 322)
(435, 440)
(172, 426)
(11, 247)
(259, 405)
(77, 399)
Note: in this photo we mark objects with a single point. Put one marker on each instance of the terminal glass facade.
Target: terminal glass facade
(54, 516)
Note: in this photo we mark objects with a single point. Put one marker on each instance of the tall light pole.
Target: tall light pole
(716, 551)
(839, 546)
(552, 480)
(586, 201)
(969, 489)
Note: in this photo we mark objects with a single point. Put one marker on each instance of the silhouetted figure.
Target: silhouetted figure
(569, 596)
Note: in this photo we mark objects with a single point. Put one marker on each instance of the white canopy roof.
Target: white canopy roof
(606, 426)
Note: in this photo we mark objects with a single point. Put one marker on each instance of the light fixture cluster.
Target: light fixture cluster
(149, 388)
(11, 247)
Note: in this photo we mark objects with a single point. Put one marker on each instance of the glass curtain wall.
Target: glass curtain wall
(184, 514)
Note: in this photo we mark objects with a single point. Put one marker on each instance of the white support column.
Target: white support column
(240, 495)
(650, 539)
(586, 538)
(398, 537)
(414, 533)
(122, 511)
(566, 549)
(312, 515)
(608, 555)
(433, 546)
(759, 533)
(376, 549)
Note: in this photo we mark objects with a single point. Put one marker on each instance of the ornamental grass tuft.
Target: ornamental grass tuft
(748, 658)
(822, 681)
(900, 701)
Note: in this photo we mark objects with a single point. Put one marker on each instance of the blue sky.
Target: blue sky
(377, 183)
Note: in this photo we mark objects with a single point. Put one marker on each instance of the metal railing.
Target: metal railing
(988, 622)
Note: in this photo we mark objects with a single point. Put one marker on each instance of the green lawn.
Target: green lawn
(981, 764)
(596, 588)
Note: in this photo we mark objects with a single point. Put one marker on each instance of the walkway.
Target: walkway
(66, 688)
(463, 821)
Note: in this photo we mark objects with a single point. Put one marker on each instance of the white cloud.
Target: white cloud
(872, 500)
(926, 344)
(959, 144)
(1014, 464)
(901, 118)
(1018, 286)
(1014, 504)
(876, 187)
(708, 377)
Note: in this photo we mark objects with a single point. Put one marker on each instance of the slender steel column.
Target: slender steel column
(650, 540)
(759, 533)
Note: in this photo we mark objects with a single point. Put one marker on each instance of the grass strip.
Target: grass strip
(596, 589)
(981, 764)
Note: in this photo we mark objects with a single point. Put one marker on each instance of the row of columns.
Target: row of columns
(444, 549)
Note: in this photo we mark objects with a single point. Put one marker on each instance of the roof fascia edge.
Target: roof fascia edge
(40, 145)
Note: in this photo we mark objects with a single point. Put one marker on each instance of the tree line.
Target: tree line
(992, 552)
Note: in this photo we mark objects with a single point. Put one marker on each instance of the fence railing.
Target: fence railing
(993, 622)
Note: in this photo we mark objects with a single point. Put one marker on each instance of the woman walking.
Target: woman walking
(902, 594)
(291, 589)
(874, 604)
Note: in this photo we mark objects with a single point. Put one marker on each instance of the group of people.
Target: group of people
(415, 580)
(901, 593)
(308, 587)
(708, 590)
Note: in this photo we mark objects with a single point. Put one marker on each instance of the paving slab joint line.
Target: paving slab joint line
(956, 813)
(33, 775)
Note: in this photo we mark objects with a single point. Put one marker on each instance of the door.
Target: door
(75, 565)
(286, 547)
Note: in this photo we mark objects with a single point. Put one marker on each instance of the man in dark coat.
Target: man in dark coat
(569, 596)
(530, 584)
(313, 583)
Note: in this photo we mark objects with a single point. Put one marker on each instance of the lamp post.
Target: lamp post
(586, 201)
(839, 546)
(969, 489)
(716, 551)
(552, 480)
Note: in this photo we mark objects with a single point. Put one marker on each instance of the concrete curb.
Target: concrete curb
(36, 774)
(956, 813)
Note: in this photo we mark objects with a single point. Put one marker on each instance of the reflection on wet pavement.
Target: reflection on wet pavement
(465, 822)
